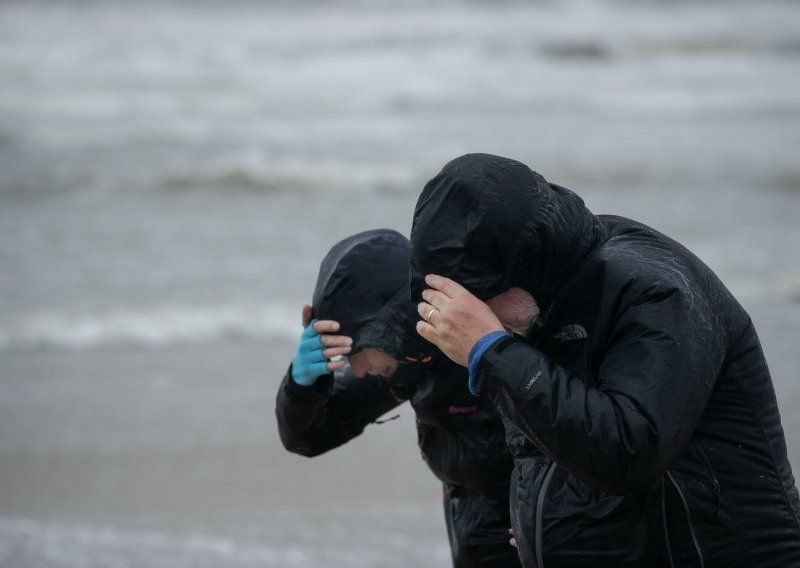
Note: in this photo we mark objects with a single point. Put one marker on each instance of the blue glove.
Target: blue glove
(308, 364)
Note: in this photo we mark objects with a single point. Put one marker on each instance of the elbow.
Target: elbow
(625, 485)
(622, 479)
(629, 473)
(301, 445)
(304, 450)
(628, 466)
(637, 458)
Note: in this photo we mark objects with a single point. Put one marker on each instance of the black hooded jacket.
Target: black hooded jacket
(363, 284)
(639, 410)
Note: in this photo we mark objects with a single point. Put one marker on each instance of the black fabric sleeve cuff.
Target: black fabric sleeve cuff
(491, 365)
(307, 396)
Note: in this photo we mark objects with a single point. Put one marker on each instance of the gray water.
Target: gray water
(172, 173)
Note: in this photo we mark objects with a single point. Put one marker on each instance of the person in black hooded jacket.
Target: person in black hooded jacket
(361, 301)
(638, 404)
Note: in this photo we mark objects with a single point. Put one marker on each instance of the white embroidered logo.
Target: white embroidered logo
(571, 332)
(534, 378)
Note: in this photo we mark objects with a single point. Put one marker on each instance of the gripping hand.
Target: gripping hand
(317, 346)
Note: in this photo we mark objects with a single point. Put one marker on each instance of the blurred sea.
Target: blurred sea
(171, 174)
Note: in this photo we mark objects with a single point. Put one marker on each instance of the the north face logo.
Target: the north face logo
(571, 332)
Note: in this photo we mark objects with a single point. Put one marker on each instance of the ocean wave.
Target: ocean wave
(152, 326)
(687, 49)
(253, 171)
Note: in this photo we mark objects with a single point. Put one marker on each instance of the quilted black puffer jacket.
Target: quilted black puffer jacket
(639, 408)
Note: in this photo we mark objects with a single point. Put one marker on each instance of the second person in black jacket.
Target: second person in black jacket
(363, 287)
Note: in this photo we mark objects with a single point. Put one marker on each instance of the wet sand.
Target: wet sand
(119, 456)
(168, 454)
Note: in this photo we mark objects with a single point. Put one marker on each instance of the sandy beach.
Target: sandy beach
(136, 457)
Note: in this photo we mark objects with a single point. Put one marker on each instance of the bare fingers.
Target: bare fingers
(332, 352)
(335, 340)
(435, 298)
(449, 288)
(427, 311)
(333, 365)
(335, 345)
(427, 331)
(326, 326)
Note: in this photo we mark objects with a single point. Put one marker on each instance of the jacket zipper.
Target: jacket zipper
(688, 519)
(539, 506)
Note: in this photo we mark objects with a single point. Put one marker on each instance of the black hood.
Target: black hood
(363, 284)
(491, 223)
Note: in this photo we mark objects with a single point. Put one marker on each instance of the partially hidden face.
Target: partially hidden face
(515, 308)
(371, 361)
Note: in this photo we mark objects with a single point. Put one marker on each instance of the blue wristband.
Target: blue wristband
(475, 355)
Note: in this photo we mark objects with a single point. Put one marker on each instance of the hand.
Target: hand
(512, 541)
(453, 319)
(316, 347)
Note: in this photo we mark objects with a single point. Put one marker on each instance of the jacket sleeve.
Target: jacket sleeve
(334, 410)
(622, 427)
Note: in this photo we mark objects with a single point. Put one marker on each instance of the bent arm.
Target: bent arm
(621, 430)
(332, 411)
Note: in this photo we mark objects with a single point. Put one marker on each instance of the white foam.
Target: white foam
(250, 168)
(151, 326)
